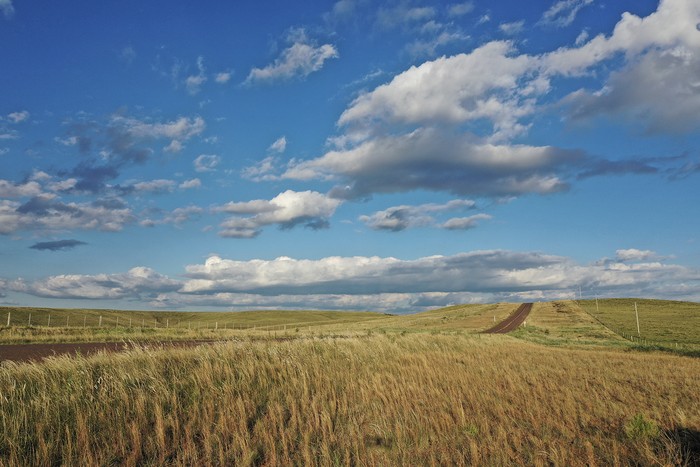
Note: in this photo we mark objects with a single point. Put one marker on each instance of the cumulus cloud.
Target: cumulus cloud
(482, 100)
(377, 283)
(279, 145)
(286, 210)
(47, 213)
(465, 223)
(634, 93)
(17, 117)
(482, 85)
(123, 141)
(298, 60)
(512, 29)
(154, 186)
(206, 162)
(460, 9)
(399, 218)
(402, 15)
(189, 184)
(57, 245)
(137, 283)
(264, 170)
(479, 272)
(563, 12)
(436, 160)
(10, 189)
(633, 254)
(223, 77)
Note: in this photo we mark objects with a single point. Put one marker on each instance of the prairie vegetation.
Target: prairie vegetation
(85, 325)
(413, 399)
(661, 321)
(365, 389)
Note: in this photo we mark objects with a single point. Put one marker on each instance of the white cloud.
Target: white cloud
(673, 24)
(279, 145)
(403, 15)
(634, 94)
(264, 170)
(178, 130)
(460, 9)
(436, 160)
(155, 186)
(174, 146)
(7, 9)
(402, 217)
(512, 29)
(299, 60)
(478, 272)
(193, 83)
(206, 162)
(10, 189)
(46, 213)
(428, 47)
(581, 38)
(484, 84)
(465, 223)
(223, 77)
(286, 210)
(482, 100)
(563, 12)
(633, 254)
(376, 283)
(17, 117)
(137, 283)
(192, 183)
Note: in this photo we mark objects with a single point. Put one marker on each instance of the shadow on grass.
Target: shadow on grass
(686, 443)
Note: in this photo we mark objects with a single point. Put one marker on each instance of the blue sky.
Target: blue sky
(389, 156)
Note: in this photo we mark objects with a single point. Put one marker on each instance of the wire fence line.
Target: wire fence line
(92, 322)
(639, 339)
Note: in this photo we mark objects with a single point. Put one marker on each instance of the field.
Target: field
(424, 389)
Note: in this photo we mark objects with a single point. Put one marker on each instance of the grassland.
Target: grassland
(367, 389)
(85, 325)
(411, 399)
(661, 321)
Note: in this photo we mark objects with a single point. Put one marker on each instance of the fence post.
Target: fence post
(8, 319)
(84, 321)
(48, 324)
(100, 324)
(167, 323)
(30, 319)
(67, 320)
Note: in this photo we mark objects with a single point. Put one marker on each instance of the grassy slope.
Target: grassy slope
(118, 325)
(415, 399)
(660, 320)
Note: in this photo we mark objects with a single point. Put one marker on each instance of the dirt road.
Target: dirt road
(513, 321)
(36, 352)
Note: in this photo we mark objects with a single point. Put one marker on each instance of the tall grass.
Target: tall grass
(418, 399)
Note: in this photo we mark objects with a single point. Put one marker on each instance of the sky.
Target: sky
(392, 156)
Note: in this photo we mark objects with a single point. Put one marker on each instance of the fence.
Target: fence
(74, 321)
(639, 339)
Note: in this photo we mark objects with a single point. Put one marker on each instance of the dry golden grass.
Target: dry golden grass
(417, 399)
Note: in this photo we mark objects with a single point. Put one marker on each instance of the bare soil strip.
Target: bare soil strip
(512, 322)
(37, 352)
